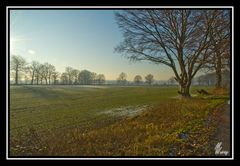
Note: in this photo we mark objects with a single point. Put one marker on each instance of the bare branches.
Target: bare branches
(171, 37)
(18, 64)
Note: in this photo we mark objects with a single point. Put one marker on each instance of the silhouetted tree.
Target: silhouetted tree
(219, 58)
(85, 77)
(149, 79)
(51, 70)
(17, 64)
(55, 76)
(38, 70)
(179, 39)
(122, 79)
(64, 78)
(44, 72)
(75, 74)
(32, 68)
(69, 72)
(100, 78)
(137, 79)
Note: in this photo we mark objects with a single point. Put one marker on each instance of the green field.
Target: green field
(106, 120)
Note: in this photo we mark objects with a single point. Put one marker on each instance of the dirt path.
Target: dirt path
(221, 140)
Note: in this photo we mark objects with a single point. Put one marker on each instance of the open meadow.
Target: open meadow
(111, 121)
(135, 82)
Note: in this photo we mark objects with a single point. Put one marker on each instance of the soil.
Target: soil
(222, 136)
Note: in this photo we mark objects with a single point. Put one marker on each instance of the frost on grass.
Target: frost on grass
(129, 111)
(88, 86)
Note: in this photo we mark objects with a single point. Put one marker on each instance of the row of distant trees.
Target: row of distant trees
(138, 80)
(209, 79)
(36, 73)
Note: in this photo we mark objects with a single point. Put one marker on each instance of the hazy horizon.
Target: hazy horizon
(82, 39)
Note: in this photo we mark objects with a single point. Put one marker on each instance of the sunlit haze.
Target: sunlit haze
(82, 39)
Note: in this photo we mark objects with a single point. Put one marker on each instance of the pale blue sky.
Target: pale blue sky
(82, 39)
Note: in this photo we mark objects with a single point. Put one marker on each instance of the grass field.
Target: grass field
(110, 121)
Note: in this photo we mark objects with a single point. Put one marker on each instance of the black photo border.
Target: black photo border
(55, 5)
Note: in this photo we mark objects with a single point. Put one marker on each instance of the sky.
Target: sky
(82, 39)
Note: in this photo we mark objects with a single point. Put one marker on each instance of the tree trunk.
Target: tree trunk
(32, 78)
(218, 72)
(185, 90)
(16, 77)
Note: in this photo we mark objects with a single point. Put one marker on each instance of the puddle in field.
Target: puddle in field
(129, 111)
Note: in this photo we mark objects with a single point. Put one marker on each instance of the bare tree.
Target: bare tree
(42, 73)
(64, 78)
(219, 58)
(51, 69)
(149, 79)
(179, 39)
(94, 78)
(85, 77)
(45, 72)
(69, 73)
(75, 74)
(55, 76)
(32, 69)
(122, 79)
(38, 70)
(100, 79)
(17, 64)
(137, 79)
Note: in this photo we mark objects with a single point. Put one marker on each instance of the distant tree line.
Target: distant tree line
(137, 80)
(38, 74)
(210, 79)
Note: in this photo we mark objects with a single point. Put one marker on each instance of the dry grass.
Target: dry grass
(173, 128)
(219, 91)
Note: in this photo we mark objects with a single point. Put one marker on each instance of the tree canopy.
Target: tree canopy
(179, 39)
